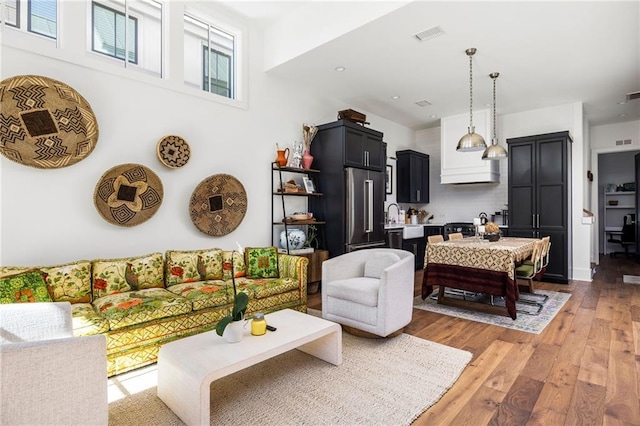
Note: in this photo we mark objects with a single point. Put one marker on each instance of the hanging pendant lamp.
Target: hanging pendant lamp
(495, 151)
(471, 141)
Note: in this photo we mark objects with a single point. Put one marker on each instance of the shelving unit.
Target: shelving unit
(613, 215)
(285, 203)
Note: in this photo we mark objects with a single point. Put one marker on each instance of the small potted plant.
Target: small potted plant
(236, 318)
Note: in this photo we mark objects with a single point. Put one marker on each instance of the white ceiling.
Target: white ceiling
(547, 53)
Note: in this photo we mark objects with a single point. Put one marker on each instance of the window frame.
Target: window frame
(29, 16)
(126, 16)
(4, 19)
(206, 69)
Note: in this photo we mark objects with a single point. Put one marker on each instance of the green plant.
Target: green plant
(240, 302)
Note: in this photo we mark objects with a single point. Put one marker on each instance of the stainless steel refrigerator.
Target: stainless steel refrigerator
(365, 192)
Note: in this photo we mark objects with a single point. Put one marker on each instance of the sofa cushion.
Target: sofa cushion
(378, 262)
(193, 265)
(204, 294)
(112, 276)
(239, 267)
(87, 321)
(135, 307)
(262, 262)
(361, 290)
(259, 288)
(68, 282)
(28, 286)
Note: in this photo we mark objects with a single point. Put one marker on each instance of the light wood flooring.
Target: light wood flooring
(583, 369)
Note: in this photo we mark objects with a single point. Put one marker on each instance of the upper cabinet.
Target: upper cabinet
(360, 146)
(466, 167)
(412, 177)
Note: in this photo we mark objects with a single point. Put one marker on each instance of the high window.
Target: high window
(209, 57)
(41, 17)
(129, 31)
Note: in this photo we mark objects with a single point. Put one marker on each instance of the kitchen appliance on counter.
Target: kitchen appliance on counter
(467, 229)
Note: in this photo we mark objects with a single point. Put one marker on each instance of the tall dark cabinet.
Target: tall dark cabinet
(540, 195)
(413, 176)
(352, 160)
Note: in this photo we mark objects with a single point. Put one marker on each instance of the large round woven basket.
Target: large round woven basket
(218, 205)
(44, 123)
(128, 194)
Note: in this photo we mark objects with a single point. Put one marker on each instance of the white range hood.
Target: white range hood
(466, 167)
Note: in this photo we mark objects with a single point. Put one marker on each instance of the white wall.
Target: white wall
(48, 216)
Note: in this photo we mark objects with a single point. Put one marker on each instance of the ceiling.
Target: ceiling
(547, 54)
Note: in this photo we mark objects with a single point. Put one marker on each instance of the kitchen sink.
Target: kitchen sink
(412, 231)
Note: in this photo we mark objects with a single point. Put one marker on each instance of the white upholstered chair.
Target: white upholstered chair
(49, 377)
(369, 290)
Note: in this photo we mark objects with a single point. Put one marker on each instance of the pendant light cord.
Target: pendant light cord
(471, 93)
(494, 110)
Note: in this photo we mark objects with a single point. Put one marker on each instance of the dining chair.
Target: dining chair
(530, 268)
(435, 239)
(456, 236)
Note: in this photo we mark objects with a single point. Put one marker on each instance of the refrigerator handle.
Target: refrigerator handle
(368, 202)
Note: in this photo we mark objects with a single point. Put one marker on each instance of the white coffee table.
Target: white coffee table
(187, 367)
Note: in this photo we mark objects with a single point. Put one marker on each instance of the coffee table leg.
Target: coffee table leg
(327, 348)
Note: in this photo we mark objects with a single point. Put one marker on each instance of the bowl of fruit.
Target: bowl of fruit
(491, 232)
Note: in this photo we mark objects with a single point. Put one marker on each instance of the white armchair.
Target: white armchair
(47, 376)
(369, 290)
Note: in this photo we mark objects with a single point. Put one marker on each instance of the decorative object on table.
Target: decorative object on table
(258, 324)
(308, 133)
(218, 205)
(128, 194)
(45, 123)
(472, 141)
(354, 116)
(308, 185)
(296, 156)
(492, 231)
(231, 327)
(495, 151)
(173, 151)
(282, 156)
(388, 179)
(295, 236)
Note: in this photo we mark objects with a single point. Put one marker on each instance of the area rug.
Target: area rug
(631, 279)
(528, 323)
(380, 382)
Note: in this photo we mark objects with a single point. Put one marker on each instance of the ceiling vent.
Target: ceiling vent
(623, 142)
(633, 95)
(430, 33)
(423, 103)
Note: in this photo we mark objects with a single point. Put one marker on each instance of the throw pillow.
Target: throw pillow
(27, 287)
(262, 262)
(238, 265)
(69, 282)
(187, 266)
(378, 262)
(125, 274)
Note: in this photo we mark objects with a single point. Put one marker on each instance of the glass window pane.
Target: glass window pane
(12, 13)
(109, 34)
(42, 17)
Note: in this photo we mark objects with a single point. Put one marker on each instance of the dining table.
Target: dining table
(478, 266)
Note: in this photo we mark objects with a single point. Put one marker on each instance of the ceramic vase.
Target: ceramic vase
(297, 238)
(282, 157)
(307, 159)
(234, 331)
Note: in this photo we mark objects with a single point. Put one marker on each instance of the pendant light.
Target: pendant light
(495, 151)
(471, 141)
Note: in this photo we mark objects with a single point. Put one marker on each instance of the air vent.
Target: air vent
(623, 142)
(430, 33)
(633, 95)
(423, 103)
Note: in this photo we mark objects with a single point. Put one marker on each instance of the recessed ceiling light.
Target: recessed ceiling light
(623, 115)
(622, 102)
(340, 69)
(423, 103)
(433, 116)
(395, 97)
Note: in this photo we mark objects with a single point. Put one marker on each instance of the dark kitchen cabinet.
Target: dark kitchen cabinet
(356, 145)
(540, 195)
(412, 171)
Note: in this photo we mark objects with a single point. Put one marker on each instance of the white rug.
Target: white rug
(380, 382)
(631, 279)
(523, 322)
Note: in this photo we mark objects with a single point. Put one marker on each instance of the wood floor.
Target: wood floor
(583, 369)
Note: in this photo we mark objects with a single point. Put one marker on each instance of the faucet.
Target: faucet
(398, 211)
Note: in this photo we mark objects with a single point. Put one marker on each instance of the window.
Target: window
(41, 17)
(209, 57)
(109, 33)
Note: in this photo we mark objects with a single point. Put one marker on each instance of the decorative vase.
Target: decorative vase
(283, 157)
(297, 238)
(234, 331)
(307, 159)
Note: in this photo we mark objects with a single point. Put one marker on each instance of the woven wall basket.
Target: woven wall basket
(128, 194)
(44, 123)
(218, 205)
(173, 151)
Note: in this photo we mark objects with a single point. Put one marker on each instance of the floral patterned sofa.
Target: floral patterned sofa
(139, 303)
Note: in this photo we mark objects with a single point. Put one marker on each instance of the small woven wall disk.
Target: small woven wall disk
(128, 194)
(218, 205)
(44, 123)
(173, 151)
